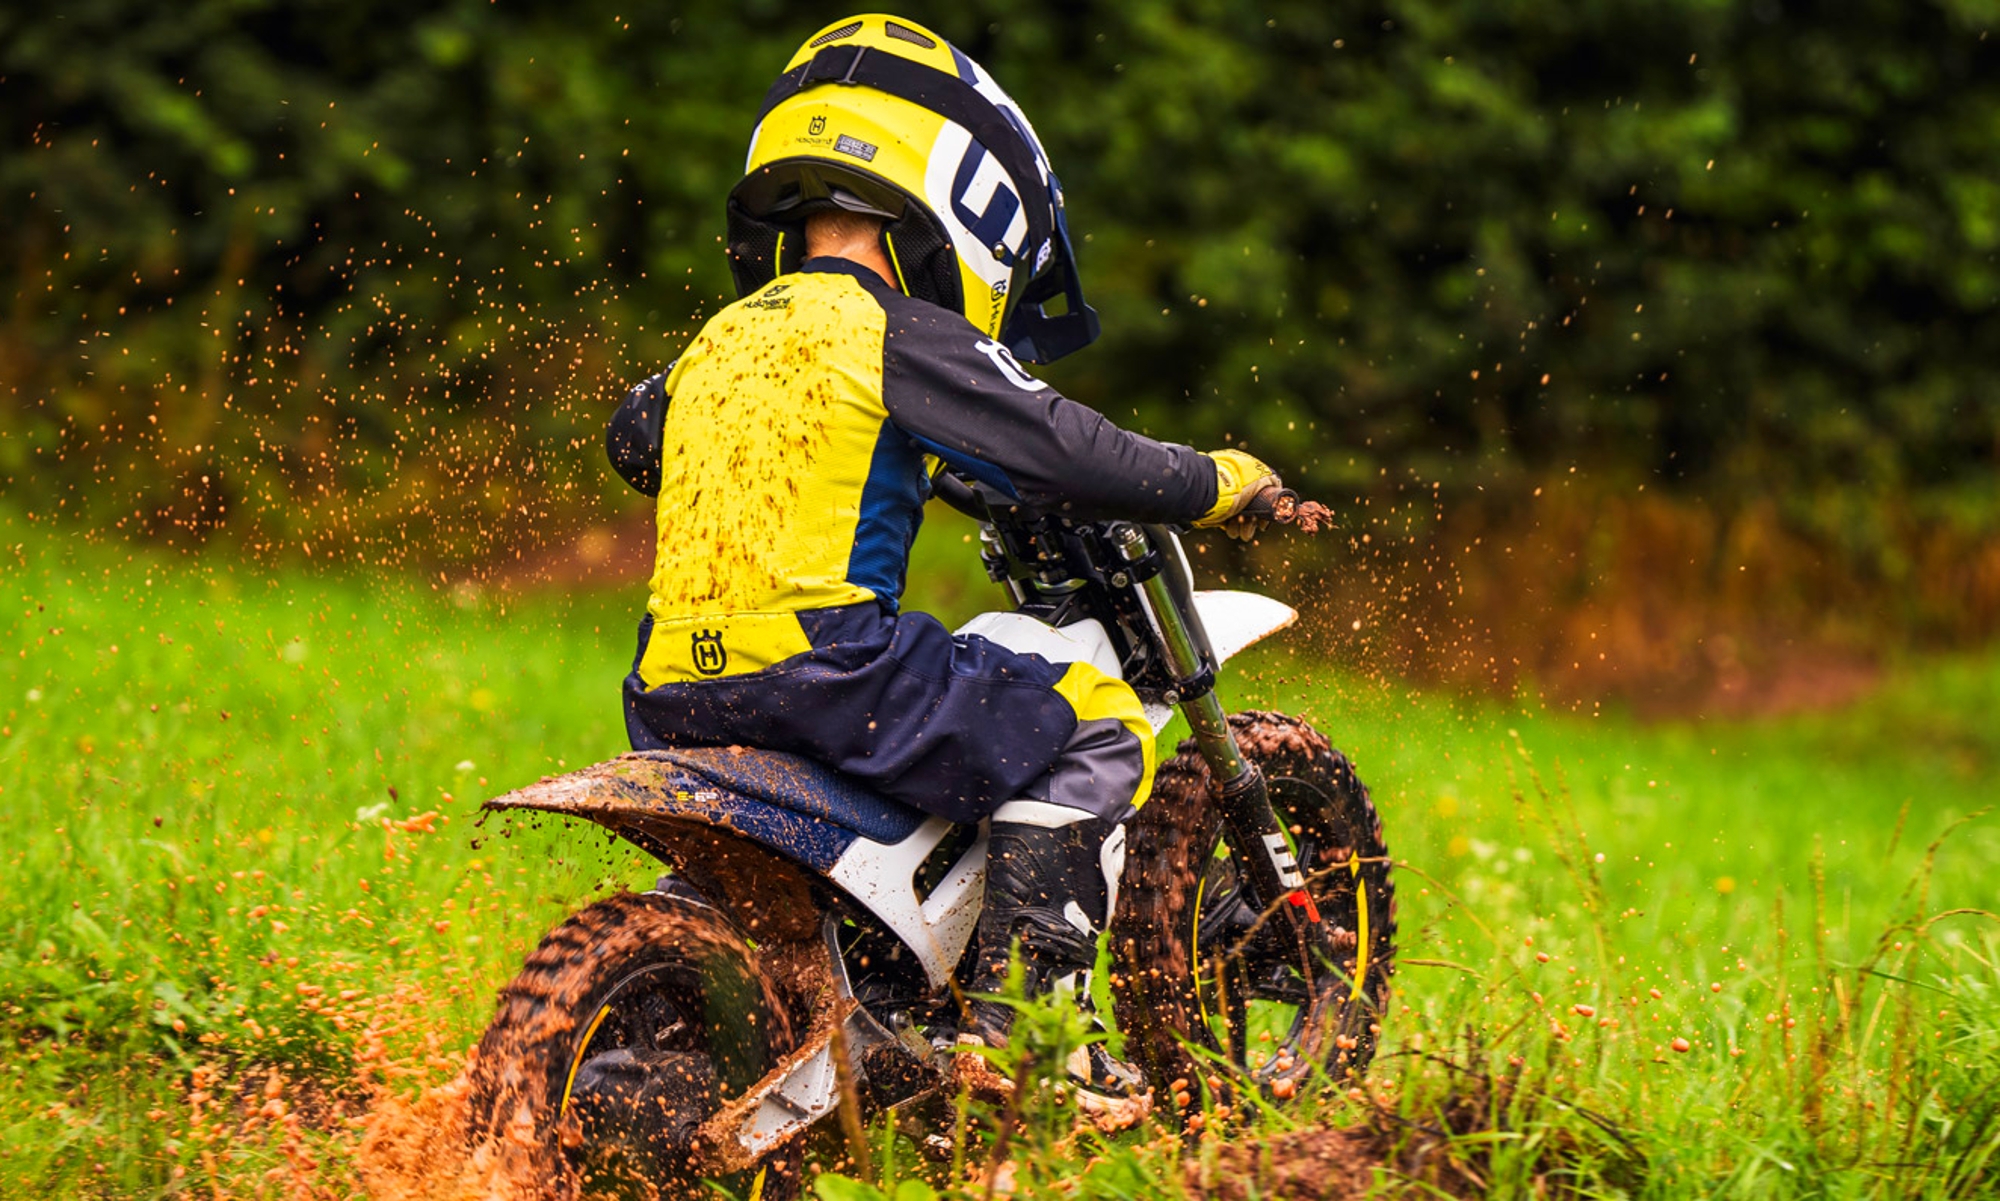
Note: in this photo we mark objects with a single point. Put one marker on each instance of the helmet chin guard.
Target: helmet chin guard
(879, 116)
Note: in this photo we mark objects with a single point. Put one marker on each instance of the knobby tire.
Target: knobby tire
(1172, 841)
(527, 1058)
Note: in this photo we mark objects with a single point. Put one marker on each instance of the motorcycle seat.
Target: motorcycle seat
(797, 785)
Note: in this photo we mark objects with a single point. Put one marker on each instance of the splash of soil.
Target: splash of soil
(417, 1148)
(1310, 515)
(415, 1140)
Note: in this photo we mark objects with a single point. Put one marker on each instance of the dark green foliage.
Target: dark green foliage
(402, 254)
(1378, 203)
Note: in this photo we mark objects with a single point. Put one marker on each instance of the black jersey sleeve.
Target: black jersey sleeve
(632, 439)
(962, 397)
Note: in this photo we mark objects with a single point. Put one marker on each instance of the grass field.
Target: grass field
(242, 884)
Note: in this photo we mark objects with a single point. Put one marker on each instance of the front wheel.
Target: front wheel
(630, 1025)
(1201, 968)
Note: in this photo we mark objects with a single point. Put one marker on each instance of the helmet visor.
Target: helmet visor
(789, 189)
(1031, 331)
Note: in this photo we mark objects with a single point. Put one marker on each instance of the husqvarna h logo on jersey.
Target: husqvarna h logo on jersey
(1005, 362)
(772, 297)
(709, 657)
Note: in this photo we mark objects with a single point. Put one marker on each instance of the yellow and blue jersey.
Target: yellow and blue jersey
(791, 449)
(791, 446)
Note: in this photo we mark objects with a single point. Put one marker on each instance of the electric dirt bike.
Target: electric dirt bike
(805, 945)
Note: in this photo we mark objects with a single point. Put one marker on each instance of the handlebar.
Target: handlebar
(960, 495)
(1274, 504)
(1283, 506)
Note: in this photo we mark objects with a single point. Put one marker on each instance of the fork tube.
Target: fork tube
(1255, 832)
(1183, 647)
(1212, 734)
(1204, 713)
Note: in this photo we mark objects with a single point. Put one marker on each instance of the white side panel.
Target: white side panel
(883, 878)
(1084, 642)
(952, 909)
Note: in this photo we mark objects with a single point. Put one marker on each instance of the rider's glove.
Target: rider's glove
(1239, 478)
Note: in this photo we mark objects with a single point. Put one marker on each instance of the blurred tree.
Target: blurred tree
(370, 273)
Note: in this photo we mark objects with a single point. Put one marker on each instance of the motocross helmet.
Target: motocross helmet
(880, 116)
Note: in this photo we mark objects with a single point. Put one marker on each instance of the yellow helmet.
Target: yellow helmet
(879, 115)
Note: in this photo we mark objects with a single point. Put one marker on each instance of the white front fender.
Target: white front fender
(1234, 621)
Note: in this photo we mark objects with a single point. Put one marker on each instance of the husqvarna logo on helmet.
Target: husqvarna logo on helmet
(817, 125)
(709, 657)
(1005, 362)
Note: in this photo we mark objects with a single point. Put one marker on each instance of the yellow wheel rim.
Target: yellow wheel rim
(576, 1061)
(1361, 924)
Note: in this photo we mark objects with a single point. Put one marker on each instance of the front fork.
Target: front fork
(1264, 851)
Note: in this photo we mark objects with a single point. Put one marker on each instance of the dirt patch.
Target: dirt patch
(1665, 608)
(1801, 679)
(1325, 1164)
(1302, 1165)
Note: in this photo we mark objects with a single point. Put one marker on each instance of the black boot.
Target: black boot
(1046, 891)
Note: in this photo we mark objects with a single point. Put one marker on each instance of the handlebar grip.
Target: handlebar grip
(959, 495)
(1273, 504)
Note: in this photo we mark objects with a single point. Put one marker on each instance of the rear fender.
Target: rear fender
(762, 863)
(718, 842)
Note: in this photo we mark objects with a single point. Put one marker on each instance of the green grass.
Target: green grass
(203, 882)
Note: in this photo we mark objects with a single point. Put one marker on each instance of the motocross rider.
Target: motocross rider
(896, 243)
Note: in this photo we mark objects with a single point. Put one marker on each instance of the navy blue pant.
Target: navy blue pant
(950, 725)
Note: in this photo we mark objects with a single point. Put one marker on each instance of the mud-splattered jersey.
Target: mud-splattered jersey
(790, 448)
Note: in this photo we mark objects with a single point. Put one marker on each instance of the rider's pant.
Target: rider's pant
(955, 725)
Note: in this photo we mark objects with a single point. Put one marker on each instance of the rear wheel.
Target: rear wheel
(627, 1028)
(1200, 969)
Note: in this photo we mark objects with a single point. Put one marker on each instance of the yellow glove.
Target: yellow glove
(1238, 479)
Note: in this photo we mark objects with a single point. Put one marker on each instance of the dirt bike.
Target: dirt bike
(805, 946)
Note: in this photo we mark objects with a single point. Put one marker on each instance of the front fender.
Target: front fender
(1234, 621)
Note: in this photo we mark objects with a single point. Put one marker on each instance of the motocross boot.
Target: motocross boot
(1050, 888)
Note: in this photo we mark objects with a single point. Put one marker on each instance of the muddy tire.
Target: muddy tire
(1195, 968)
(626, 1029)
